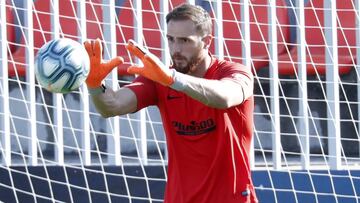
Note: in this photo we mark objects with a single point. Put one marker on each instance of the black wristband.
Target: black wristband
(98, 90)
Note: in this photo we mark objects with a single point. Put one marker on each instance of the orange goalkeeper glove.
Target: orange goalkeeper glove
(98, 69)
(153, 68)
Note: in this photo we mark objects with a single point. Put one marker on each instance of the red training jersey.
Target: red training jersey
(208, 148)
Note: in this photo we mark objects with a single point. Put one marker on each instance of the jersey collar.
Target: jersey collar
(213, 66)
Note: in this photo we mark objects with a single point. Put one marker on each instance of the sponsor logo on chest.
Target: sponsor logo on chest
(194, 128)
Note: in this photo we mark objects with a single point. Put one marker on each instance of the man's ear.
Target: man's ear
(207, 41)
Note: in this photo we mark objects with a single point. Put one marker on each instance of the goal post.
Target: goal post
(304, 56)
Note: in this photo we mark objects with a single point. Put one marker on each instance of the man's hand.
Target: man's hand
(153, 68)
(98, 69)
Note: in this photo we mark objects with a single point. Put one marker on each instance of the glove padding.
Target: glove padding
(153, 68)
(99, 69)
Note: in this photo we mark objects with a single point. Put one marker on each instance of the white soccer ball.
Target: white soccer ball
(61, 65)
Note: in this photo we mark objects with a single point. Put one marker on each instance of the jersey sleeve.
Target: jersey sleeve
(236, 72)
(240, 75)
(145, 91)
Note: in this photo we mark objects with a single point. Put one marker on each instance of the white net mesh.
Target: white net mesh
(57, 148)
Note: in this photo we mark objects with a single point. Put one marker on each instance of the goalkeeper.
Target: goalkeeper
(206, 105)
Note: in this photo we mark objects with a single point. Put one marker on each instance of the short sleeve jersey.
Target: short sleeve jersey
(208, 148)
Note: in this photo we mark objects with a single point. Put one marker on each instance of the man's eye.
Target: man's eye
(185, 40)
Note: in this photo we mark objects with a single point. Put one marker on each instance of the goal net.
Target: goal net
(57, 148)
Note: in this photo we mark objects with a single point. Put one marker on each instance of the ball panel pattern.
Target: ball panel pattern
(61, 65)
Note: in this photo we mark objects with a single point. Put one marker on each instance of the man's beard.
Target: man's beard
(190, 65)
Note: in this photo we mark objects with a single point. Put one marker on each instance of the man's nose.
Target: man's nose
(177, 48)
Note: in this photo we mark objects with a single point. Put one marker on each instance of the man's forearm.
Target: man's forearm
(112, 103)
(215, 93)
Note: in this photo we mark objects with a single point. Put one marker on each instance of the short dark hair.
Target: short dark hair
(195, 13)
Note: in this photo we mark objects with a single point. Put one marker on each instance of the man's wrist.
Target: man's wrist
(97, 90)
(179, 83)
